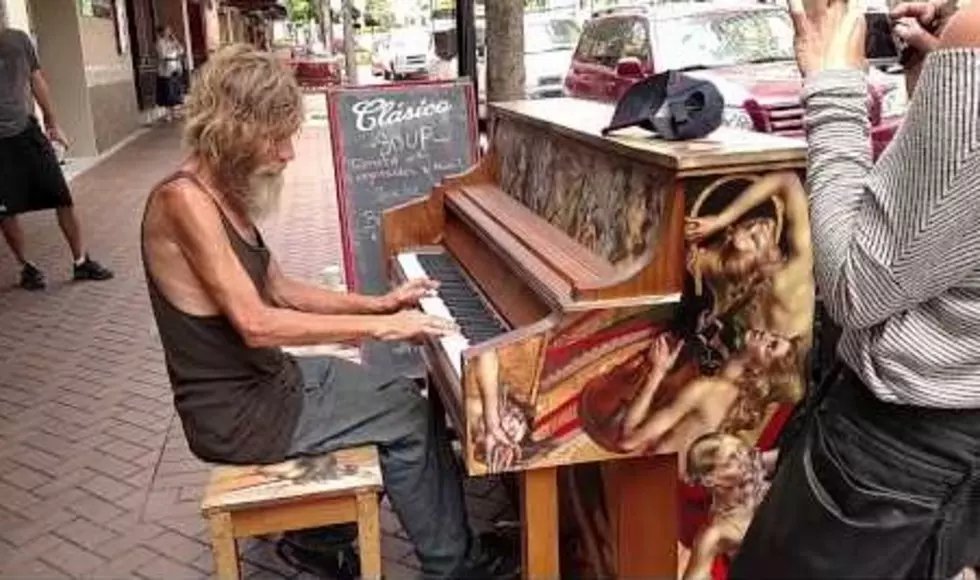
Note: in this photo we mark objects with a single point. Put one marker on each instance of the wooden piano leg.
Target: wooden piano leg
(539, 518)
(642, 498)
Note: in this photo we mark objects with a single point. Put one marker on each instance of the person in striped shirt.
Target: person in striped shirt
(882, 477)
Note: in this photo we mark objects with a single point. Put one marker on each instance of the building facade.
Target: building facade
(99, 58)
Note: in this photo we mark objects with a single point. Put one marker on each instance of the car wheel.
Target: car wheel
(387, 76)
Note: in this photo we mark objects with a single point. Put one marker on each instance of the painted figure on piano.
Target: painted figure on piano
(735, 474)
(609, 381)
(735, 400)
(500, 425)
(758, 323)
(759, 274)
(525, 399)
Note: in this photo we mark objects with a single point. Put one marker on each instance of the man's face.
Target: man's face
(266, 182)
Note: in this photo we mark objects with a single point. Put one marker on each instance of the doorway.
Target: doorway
(195, 24)
(142, 33)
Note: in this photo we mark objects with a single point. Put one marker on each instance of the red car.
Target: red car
(745, 50)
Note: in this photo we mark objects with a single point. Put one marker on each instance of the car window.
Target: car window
(603, 40)
(723, 39)
(637, 43)
(550, 35)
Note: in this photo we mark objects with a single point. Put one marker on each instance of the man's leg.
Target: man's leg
(31, 278)
(15, 196)
(72, 230)
(85, 268)
(13, 234)
(347, 405)
(50, 190)
(869, 490)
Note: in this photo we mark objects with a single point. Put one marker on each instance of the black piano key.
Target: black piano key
(477, 323)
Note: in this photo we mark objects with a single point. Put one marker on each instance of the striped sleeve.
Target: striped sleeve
(897, 234)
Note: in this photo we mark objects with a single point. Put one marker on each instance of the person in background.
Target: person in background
(31, 178)
(882, 477)
(170, 68)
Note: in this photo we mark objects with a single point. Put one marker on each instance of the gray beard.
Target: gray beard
(264, 192)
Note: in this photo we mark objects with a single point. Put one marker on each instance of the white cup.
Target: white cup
(59, 152)
(332, 277)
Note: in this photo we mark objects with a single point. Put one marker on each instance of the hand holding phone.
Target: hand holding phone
(916, 26)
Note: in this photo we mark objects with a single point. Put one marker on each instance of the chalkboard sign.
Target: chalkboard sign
(391, 144)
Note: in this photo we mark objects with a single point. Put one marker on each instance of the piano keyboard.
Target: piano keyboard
(456, 299)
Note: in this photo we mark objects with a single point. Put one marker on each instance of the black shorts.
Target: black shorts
(169, 91)
(30, 175)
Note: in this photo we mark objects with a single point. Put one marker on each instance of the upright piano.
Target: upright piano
(562, 256)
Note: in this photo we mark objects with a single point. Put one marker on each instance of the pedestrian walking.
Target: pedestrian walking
(170, 71)
(31, 178)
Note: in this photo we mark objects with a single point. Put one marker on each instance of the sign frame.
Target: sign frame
(338, 151)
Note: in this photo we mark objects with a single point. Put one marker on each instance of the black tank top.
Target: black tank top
(237, 404)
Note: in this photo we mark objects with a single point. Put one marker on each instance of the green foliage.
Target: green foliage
(301, 10)
(377, 13)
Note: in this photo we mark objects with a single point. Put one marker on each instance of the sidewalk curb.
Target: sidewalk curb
(110, 152)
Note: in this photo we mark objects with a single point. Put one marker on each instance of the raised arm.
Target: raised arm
(662, 359)
(783, 185)
(198, 232)
(889, 237)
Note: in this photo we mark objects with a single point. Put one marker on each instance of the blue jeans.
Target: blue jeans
(869, 490)
(347, 405)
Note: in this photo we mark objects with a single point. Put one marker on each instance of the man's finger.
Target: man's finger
(915, 36)
(924, 12)
(854, 14)
(851, 23)
(817, 9)
(425, 283)
(798, 15)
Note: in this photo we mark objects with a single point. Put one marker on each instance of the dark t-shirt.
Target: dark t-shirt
(18, 60)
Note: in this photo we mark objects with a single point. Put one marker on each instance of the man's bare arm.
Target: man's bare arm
(200, 236)
(42, 93)
(297, 295)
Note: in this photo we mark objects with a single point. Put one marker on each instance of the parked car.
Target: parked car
(379, 57)
(746, 50)
(549, 42)
(407, 52)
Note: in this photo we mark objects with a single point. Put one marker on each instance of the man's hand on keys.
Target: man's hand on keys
(412, 324)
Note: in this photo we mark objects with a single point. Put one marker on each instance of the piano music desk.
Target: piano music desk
(562, 255)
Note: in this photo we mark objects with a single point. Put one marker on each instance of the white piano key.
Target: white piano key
(454, 345)
(411, 266)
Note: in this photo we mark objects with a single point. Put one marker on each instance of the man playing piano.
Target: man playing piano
(224, 308)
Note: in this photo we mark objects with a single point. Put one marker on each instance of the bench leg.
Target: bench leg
(223, 546)
(369, 534)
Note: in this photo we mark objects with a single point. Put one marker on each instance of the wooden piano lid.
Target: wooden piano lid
(726, 147)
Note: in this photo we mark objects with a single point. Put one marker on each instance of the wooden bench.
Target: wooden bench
(337, 488)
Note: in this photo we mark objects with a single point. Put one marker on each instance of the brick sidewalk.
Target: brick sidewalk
(96, 479)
